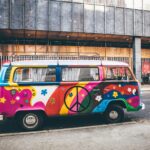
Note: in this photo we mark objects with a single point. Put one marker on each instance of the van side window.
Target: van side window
(117, 73)
(35, 75)
(80, 74)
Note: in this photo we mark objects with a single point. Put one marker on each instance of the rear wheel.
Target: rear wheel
(30, 120)
(114, 114)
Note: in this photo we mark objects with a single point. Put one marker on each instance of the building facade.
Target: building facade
(113, 29)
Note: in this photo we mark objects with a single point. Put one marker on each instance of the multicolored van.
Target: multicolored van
(31, 90)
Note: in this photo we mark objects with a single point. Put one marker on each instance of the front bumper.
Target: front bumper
(142, 106)
(1, 117)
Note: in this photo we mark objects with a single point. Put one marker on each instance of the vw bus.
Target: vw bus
(31, 90)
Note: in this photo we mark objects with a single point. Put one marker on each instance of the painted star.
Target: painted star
(2, 100)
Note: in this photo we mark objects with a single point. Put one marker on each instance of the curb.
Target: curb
(143, 90)
(68, 129)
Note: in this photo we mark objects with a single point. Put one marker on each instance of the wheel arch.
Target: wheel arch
(118, 103)
(40, 111)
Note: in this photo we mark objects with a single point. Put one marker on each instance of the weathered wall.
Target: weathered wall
(73, 16)
(43, 49)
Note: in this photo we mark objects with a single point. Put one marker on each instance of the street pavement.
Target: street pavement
(85, 133)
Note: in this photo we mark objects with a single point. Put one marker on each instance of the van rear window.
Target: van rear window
(80, 74)
(35, 75)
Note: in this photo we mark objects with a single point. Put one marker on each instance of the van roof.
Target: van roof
(68, 63)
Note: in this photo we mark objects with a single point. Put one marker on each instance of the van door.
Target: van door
(77, 88)
(34, 88)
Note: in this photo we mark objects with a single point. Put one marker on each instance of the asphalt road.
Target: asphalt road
(9, 126)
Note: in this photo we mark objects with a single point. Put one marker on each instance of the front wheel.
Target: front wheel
(114, 114)
(30, 121)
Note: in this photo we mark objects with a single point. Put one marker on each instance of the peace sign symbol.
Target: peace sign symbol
(77, 106)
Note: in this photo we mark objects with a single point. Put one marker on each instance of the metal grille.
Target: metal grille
(50, 57)
(145, 59)
(122, 59)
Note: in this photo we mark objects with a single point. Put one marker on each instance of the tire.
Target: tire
(114, 114)
(30, 121)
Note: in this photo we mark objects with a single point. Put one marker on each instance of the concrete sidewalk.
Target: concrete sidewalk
(126, 136)
(145, 87)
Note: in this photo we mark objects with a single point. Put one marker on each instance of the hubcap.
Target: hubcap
(113, 114)
(30, 121)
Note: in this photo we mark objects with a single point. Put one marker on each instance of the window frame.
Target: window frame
(113, 80)
(81, 67)
(38, 82)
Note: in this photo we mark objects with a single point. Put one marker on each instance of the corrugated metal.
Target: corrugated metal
(73, 16)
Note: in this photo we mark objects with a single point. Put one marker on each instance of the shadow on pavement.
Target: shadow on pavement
(10, 125)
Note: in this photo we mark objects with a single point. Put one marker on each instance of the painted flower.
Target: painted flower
(52, 101)
(115, 94)
(70, 94)
(44, 92)
(98, 98)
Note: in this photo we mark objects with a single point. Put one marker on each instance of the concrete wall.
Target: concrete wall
(73, 16)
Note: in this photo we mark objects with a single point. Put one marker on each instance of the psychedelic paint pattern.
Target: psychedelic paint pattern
(76, 98)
